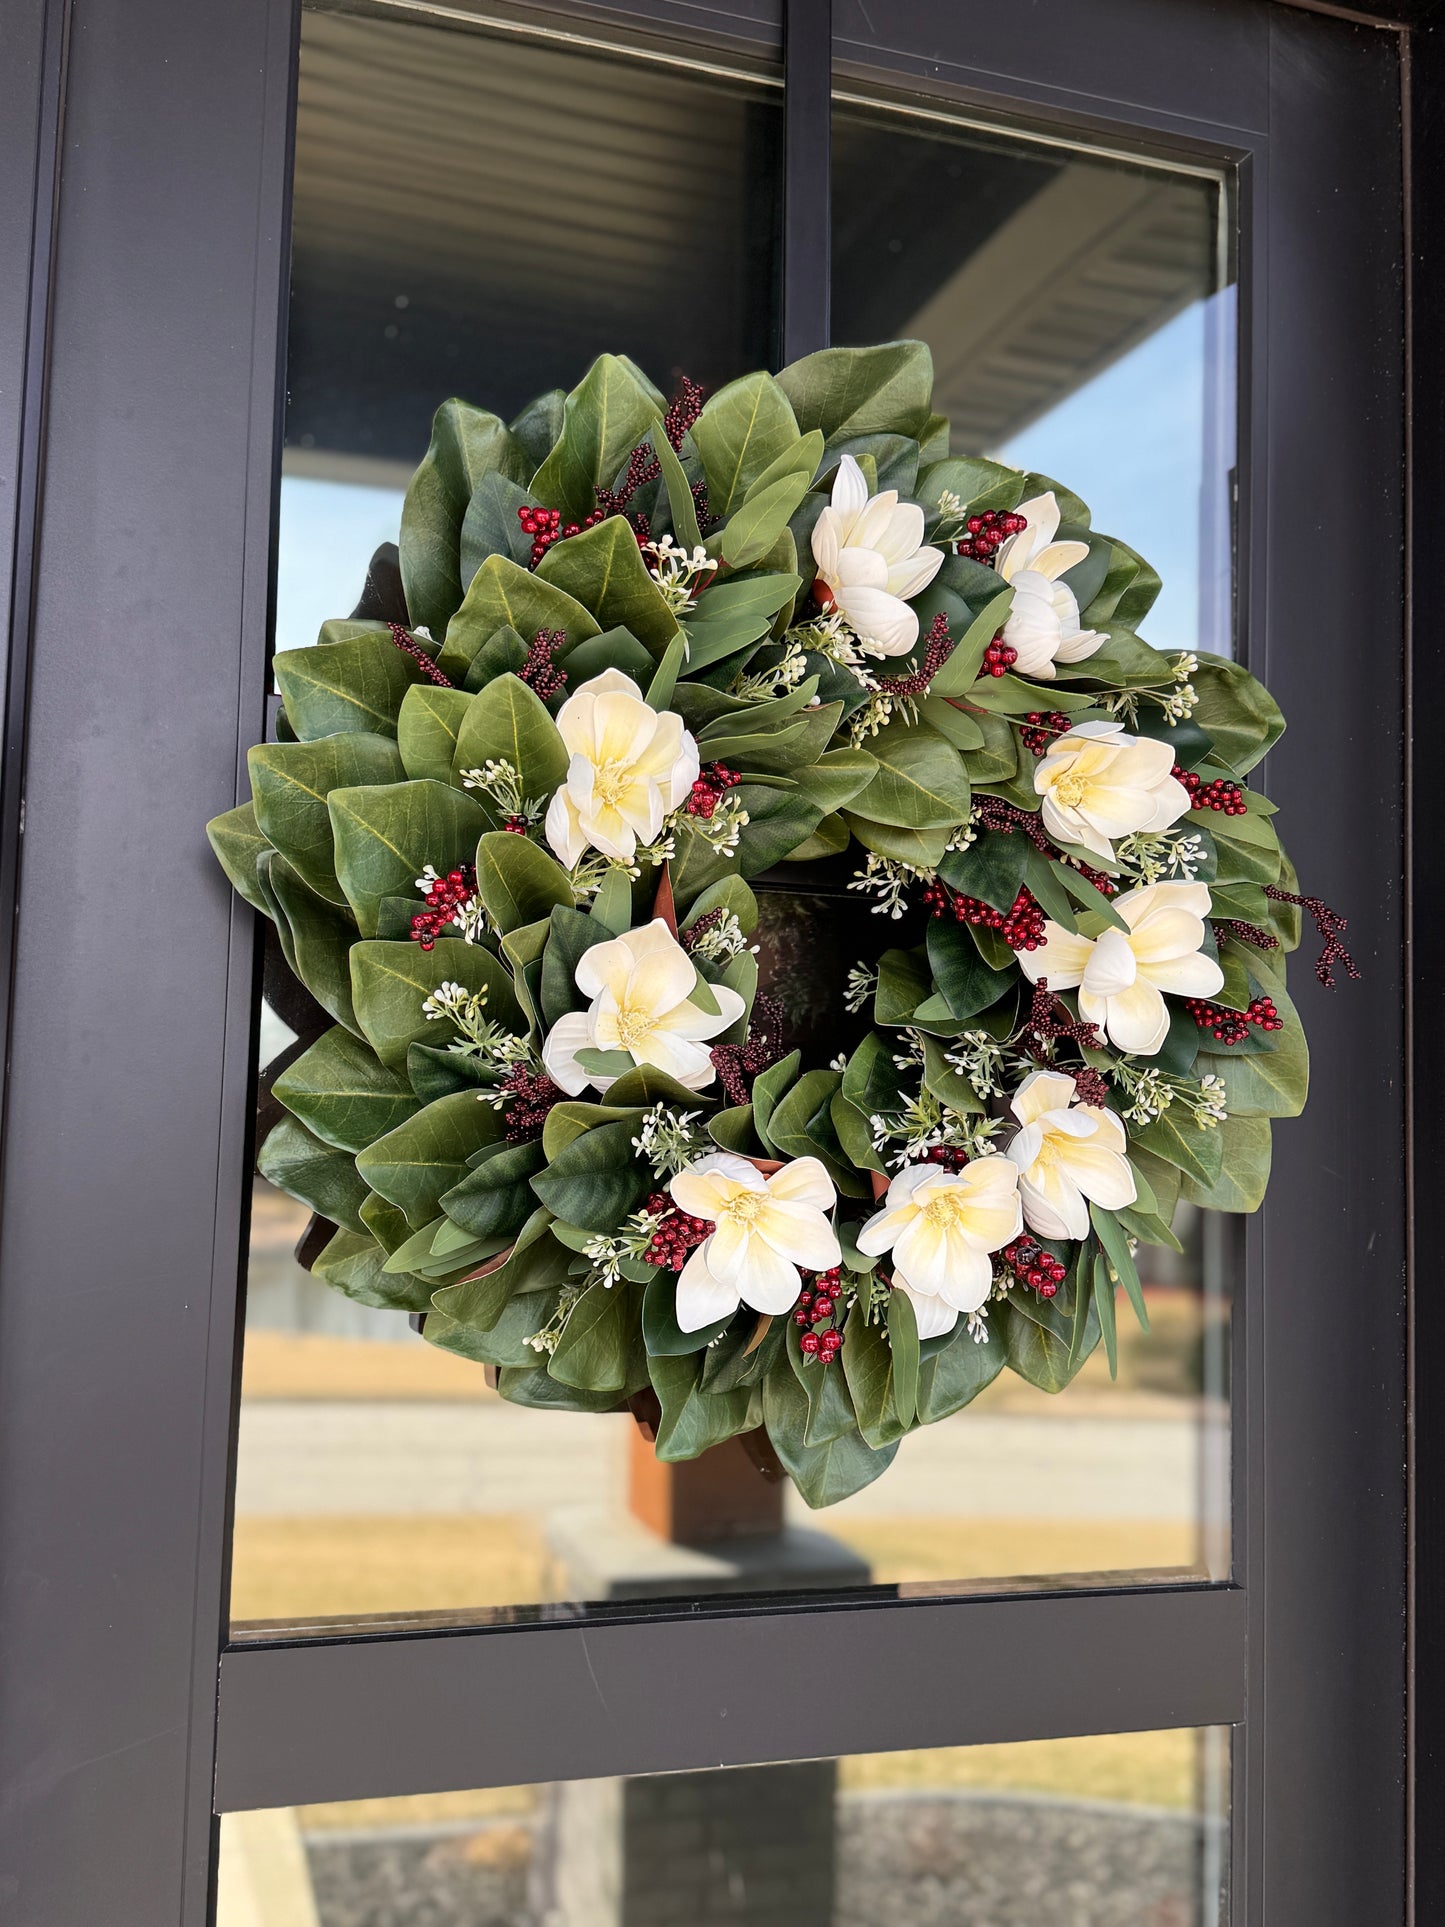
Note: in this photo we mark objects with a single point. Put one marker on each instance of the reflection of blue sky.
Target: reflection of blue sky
(1132, 443)
(328, 533)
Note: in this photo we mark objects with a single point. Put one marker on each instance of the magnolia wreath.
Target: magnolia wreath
(630, 655)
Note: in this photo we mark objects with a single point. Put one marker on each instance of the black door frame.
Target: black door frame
(146, 434)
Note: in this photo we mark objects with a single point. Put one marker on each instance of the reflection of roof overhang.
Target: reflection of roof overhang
(1082, 272)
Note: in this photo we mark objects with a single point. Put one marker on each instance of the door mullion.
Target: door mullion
(807, 174)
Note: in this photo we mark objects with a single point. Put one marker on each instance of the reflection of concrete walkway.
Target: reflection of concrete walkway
(310, 1457)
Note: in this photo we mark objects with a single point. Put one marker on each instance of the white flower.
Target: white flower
(630, 766)
(941, 1226)
(1098, 782)
(764, 1229)
(871, 553)
(1066, 1153)
(641, 985)
(1121, 974)
(1043, 621)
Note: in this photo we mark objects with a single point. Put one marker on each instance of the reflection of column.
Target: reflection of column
(750, 1845)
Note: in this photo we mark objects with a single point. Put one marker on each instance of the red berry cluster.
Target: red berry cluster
(675, 1235)
(1233, 1026)
(1106, 886)
(539, 672)
(819, 1307)
(1021, 926)
(714, 780)
(545, 526)
(443, 899)
(1041, 730)
(988, 532)
(530, 1096)
(951, 1156)
(1218, 795)
(518, 825)
(998, 658)
(1031, 1265)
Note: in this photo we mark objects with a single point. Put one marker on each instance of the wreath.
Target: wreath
(629, 657)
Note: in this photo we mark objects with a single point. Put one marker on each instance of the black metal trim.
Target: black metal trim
(807, 174)
(345, 1720)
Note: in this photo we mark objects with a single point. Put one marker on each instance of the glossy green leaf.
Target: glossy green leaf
(1244, 1171)
(920, 784)
(490, 526)
(518, 881)
(237, 841)
(692, 1419)
(507, 722)
(503, 595)
(602, 568)
(741, 431)
(1039, 1336)
(596, 1179)
(953, 1375)
(316, 938)
(826, 1473)
(604, 417)
(830, 1407)
(862, 391)
(959, 675)
(291, 782)
(343, 1093)
(426, 731)
(297, 1162)
(391, 981)
(385, 836)
(495, 1199)
(415, 1164)
(592, 1351)
(352, 1263)
(965, 982)
(354, 679)
(466, 443)
(1236, 712)
(539, 425)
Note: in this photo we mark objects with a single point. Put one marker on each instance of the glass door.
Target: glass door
(1125, 1654)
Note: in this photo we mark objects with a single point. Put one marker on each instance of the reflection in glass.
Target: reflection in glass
(1123, 1831)
(379, 1476)
(1079, 321)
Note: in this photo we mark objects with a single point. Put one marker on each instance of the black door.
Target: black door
(1142, 1652)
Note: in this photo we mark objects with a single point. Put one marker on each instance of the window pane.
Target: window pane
(1123, 1831)
(379, 1476)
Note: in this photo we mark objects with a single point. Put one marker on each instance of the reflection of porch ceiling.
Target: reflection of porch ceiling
(1084, 271)
(479, 215)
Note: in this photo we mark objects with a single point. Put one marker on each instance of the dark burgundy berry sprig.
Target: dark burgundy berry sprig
(409, 646)
(714, 780)
(1328, 924)
(818, 1307)
(443, 899)
(993, 813)
(1235, 928)
(1220, 795)
(1091, 1087)
(1038, 730)
(676, 1234)
(1049, 1022)
(1021, 926)
(998, 658)
(643, 466)
(546, 528)
(988, 532)
(1031, 1265)
(539, 671)
(738, 1064)
(937, 649)
(531, 1095)
(1233, 1026)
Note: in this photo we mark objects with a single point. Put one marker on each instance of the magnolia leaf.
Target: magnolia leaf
(602, 568)
(1040, 1338)
(518, 881)
(953, 1375)
(354, 679)
(920, 783)
(343, 1093)
(426, 731)
(316, 938)
(604, 417)
(692, 1419)
(297, 1162)
(979, 485)
(740, 433)
(830, 1407)
(592, 1351)
(1238, 714)
(386, 835)
(681, 508)
(862, 391)
(390, 982)
(415, 1164)
(290, 783)
(596, 1179)
(491, 526)
(466, 443)
(825, 1473)
(539, 425)
(494, 1199)
(353, 1263)
(507, 722)
(503, 595)
(237, 841)
(1244, 1171)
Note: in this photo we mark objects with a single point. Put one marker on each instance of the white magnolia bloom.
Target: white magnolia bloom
(1098, 782)
(871, 553)
(642, 986)
(1043, 620)
(1121, 975)
(764, 1229)
(631, 765)
(941, 1227)
(1066, 1153)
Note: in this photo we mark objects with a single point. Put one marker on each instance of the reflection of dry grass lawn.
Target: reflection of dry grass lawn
(1135, 1769)
(328, 1567)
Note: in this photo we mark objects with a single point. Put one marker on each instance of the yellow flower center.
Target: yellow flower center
(944, 1210)
(1070, 790)
(744, 1206)
(635, 1024)
(609, 780)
